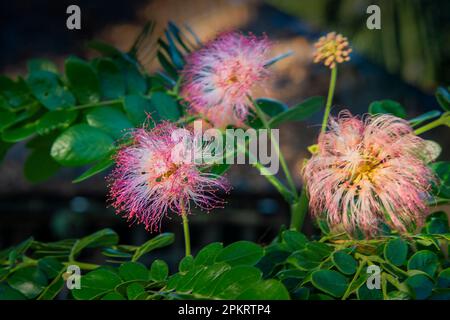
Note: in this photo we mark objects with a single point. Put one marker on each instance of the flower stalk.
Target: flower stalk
(329, 98)
(275, 143)
(444, 119)
(187, 236)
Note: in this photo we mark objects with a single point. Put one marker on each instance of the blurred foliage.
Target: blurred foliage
(81, 117)
(413, 40)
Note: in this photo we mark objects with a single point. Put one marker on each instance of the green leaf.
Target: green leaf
(135, 81)
(130, 271)
(20, 133)
(186, 264)
(8, 293)
(110, 120)
(442, 171)
(235, 281)
(135, 290)
(294, 240)
(96, 283)
(113, 296)
(305, 259)
(166, 106)
(425, 117)
(29, 281)
(443, 279)
(207, 255)
(52, 290)
(364, 293)
(14, 94)
(40, 166)
(161, 240)
(206, 281)
(443, 98)
(101, 238)
(299, 112)
(50, 266)
(265, 290)
(83, 80)
(344, 262)
(46, 87)
(271, 107)
(175, 54)
(100, 166)
(80, 145)
(167, 65)
(330, 282)
(54, 120)
(138, 108)
(22, 247)
(420, 285)
(7, 119)
(159, 270)
(387, 106)
(437, 223)
(241, 253)
(112, 82)
(219, 169)
(440, 294)
(35, 65)
(396, 251)
(425, 261)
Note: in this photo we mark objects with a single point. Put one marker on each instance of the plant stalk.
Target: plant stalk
(431, 125)
(283, 163)
(329, 98)
(298, 211)
(187, 236)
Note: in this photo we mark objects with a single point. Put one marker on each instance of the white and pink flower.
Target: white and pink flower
(149, 182)
(369, 171)
(219, 77)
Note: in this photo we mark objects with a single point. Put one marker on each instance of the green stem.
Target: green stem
(95, 104)
(275, 143)
(329, 98)
(287, 195)
(348, 291)
(430, 126)
(82, 265)
(187, 237)
(298, 211)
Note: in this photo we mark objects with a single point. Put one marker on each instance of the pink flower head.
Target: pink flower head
(149, 180)
(219, 77)
(367, 172)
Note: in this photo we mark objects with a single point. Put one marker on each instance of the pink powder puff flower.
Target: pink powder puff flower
(149, 180)
(219, 77)
(367, 172)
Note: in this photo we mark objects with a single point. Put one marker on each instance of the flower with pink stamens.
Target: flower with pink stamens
(156, 174)
(368, 172)
(219, 77)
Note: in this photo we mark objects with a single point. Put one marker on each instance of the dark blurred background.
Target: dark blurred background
(405, 61)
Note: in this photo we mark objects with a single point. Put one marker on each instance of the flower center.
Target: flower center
(171, 170)
(365, 170)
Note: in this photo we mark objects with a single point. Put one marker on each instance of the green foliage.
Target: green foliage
(291, 267)
(387, 106)
(443, 98)
(336, 267)
(299, 112)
